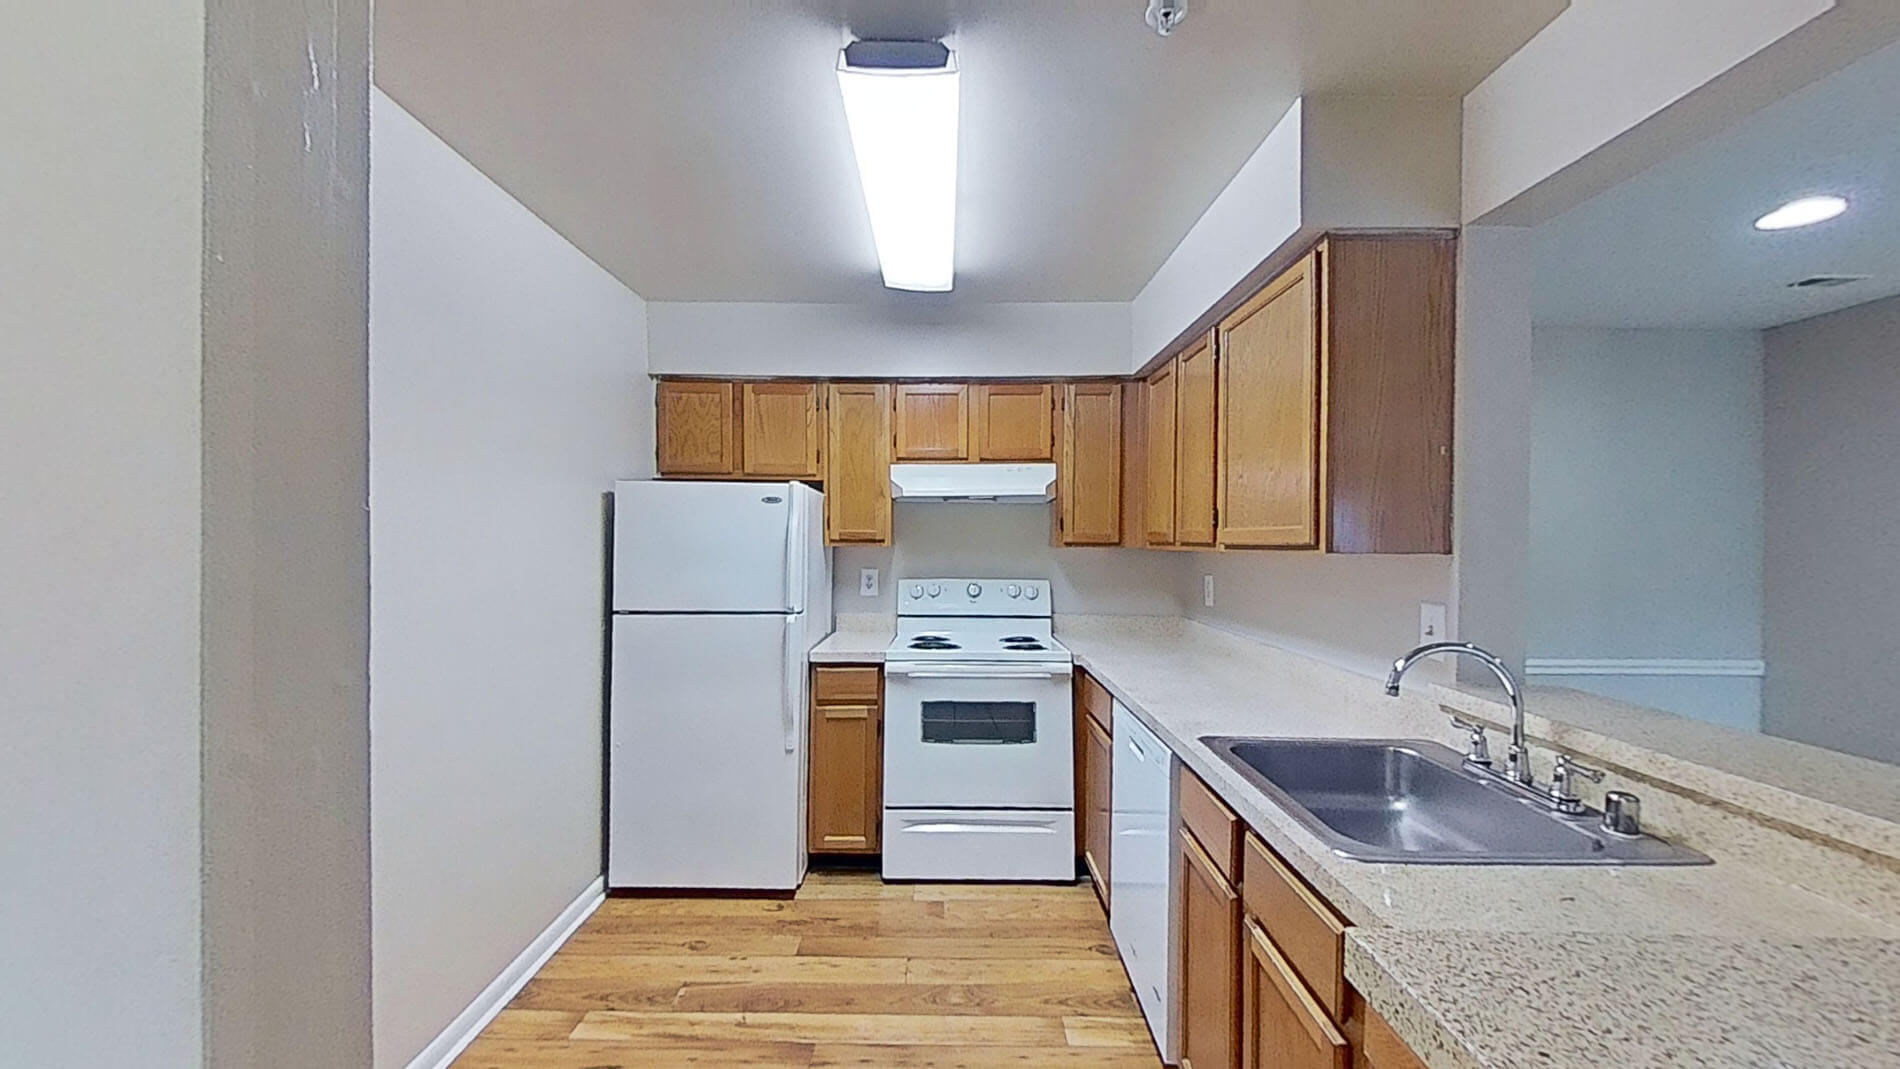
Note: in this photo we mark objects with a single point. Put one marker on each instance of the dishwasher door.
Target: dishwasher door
(1141, 870)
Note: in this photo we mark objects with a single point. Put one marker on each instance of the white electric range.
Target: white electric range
(979, 752)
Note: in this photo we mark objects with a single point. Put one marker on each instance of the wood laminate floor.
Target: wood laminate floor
(851, 972)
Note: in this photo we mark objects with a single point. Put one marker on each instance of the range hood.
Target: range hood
(1010, 484)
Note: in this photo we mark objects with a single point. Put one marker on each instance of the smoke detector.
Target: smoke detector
(1165, 15)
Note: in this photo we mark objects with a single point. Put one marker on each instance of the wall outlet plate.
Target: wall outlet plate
(1431, 622)
(1207, 591)
(867, 582)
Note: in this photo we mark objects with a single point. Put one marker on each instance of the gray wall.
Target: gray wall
(1833, 530)
(102, 118)
(286, 539)
(1005, 541)
(503, 365)
(1646, 508)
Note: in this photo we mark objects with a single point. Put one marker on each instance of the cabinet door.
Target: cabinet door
(1194, 421)
(858, 464)
(1015, 421)
(1383, 1049)
(845, 790)
(697, 428)
(933, 421)
(1208, 1006)
(782, 429)
(1269, 415)
(1282, 1027)
(1089, 512)
(1158, 439)
(1097, 756)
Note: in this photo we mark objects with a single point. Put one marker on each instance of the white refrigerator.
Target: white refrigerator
(720, 590)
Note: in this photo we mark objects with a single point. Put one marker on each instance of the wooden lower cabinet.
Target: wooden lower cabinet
(1383, 1049)
(1282, 1025)
(845, 785)
(1209, 969)
(1260, 982)
(1093, 798)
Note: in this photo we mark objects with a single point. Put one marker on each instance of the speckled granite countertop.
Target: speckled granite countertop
(1622, 1001)
(860, 638)
(1632, 967)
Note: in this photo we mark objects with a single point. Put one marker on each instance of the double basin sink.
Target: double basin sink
(1413, 801)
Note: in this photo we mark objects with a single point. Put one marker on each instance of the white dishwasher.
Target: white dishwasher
(1141, 870)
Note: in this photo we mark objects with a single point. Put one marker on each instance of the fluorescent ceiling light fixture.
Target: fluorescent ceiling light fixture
(900, 98)
(1804, 212)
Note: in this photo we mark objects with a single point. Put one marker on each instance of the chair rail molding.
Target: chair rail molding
(1644, 666)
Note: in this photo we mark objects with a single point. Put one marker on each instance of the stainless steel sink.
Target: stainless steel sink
(1401, 800)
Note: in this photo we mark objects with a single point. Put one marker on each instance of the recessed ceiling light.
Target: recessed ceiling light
(1804, 212)
(900, 99)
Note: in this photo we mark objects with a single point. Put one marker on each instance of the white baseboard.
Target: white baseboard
(444, 1048)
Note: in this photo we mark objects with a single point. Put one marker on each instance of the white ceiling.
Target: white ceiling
(699, 150)
(1676, 246)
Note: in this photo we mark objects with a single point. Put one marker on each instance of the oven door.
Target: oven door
(978, 736)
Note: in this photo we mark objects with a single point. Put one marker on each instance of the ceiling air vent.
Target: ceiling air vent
(1826, 282)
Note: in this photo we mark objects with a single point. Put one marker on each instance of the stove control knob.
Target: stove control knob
(935, 590)
(976, 590)
(1032, 593)
(1014, 591)
(916, 591)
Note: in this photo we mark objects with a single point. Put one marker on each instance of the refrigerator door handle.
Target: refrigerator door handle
(794, 551)
(794, 665)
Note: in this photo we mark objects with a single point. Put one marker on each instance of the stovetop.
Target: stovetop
(974, 620)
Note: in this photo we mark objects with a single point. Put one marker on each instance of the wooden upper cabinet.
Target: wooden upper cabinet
(1088, 491)
(1014, 421)
(1158, 438)
(783, 429)
(1269, 415)
(1389, 336)
(933, 421)
(697, 429)
(858, 465)
(1195, 422)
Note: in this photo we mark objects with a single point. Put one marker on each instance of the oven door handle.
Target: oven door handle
(942, 672)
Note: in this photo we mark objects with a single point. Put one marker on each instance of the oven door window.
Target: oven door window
(980, 723)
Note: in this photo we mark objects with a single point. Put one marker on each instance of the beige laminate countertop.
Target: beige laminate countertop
(860, 638)
(1510, 966)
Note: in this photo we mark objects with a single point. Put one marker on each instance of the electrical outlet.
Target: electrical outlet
(867, 582)
(1431, 622)
(1207, 591)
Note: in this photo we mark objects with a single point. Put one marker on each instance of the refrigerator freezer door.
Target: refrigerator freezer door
(703, 791)
(706, 547)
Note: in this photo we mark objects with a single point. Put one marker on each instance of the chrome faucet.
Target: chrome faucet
(1518, 758)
